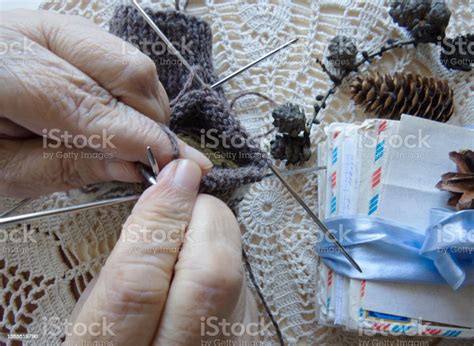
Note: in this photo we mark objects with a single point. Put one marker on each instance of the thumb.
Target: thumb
(28, 170)
(132, 288)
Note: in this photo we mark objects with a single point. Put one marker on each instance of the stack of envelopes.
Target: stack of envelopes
(389, 169)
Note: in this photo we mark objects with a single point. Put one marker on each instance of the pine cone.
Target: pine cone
(461, 183)
(342, 53)
(390, 96)
(457, 54)
(292, 149)
(289, 118)
(425, 19)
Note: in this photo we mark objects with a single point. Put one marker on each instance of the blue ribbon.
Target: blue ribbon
(390, 251)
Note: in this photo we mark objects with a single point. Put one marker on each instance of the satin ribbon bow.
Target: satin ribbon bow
(390, 251)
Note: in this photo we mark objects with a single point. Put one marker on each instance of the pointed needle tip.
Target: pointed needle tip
(152, 161)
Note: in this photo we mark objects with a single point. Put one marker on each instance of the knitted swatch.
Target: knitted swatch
(195, 109)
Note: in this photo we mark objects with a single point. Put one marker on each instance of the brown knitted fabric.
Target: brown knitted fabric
(193, 108)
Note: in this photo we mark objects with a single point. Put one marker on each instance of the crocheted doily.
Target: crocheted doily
(42, 279)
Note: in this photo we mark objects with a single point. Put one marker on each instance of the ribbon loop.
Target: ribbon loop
(390, 251)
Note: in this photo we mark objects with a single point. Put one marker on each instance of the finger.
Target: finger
(131, 290)
(82, 299)
(116, 65)
(62, 99)
(29, 170)
(209, 278)
(8, 129)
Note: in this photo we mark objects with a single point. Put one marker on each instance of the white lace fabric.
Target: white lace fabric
(43, 279)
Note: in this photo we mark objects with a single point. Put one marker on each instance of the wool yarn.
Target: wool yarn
(194, 108)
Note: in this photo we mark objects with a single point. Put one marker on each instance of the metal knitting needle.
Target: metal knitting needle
(165, 40)
(249, 65)
(321, 225)
(144, 171)
(152, 161)
(188, 66)
(12, 220)
(297, 171)
(15, 207)
(313, 216)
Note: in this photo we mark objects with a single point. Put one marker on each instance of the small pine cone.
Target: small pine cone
(342, 53)
(461, 184)
(425, 19)
(289, 118)
(390, 96)
(457, 54)
(292, 149)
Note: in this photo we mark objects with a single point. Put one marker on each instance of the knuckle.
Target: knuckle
(141, 74)
(158, 139)
(145, 67)
(91, 113)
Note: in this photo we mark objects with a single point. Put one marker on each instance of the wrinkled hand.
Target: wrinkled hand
(151, 292)
(64, 77)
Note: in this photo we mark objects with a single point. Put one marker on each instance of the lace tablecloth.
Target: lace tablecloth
(43, 279)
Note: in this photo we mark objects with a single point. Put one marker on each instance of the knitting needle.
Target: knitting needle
(249, 65)
(313, 216)
(144, 171)
(321, 225)
(188, 66)
(151, 179)
(12, 220)
(152, 161)
(298, 171)
(165, 39)
(15, 207)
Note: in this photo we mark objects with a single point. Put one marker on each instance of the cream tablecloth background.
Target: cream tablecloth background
(42, 280)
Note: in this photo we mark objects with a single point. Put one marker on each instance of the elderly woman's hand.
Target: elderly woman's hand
(162, 286)
(65, 78)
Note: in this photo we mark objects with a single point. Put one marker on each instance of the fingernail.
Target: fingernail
(187, 175)
(121, 171)
(198, 157)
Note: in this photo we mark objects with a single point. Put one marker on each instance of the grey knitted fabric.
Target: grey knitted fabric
(193, 107)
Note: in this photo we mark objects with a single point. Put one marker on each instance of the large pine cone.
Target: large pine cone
(461, 183)
(390, 96)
